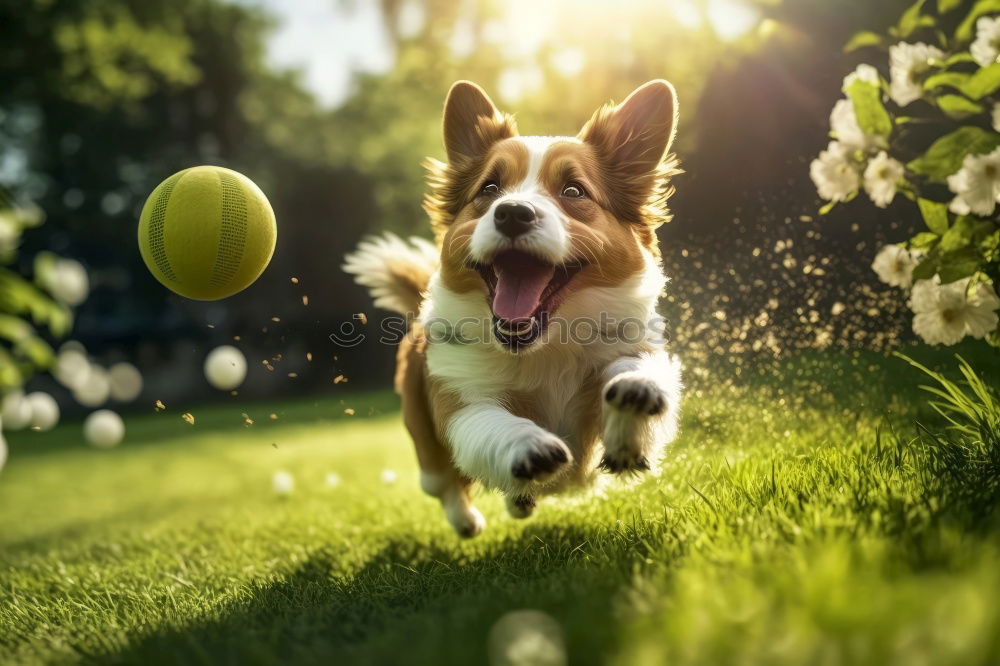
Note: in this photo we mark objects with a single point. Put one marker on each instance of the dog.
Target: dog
(516, 371)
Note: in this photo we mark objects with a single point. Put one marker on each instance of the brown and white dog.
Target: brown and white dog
(535, 357)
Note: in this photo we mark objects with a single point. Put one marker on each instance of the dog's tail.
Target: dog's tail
(395, 271)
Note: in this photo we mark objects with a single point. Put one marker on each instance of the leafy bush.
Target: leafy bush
(60, 284)
(930, 131)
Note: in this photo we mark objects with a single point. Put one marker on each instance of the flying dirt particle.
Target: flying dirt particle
(363, 318)
(295, 280)
(159, 406)
(236, 338)
(309, 356)
(293, 375)
(263, 329)
(274, 417)
(305, 300)
(274, 444)
(339, 378)
(189, 417)
(276, 358)
(276, 319)
(234, 393)
(247, 421)
(349, 411)
(267, 364)
(211, 325)
(389, 476)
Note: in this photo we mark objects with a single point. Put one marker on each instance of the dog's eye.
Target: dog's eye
(490, 188)
(573, 191)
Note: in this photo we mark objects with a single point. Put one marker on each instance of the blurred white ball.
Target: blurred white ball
(16, 411)
(283, 483)
(389, 476)
(68, 282)
(126, 382)
(72, 367)
(94, 389)
(332, 480)
(527, 638)
(225, 367)
(104, 429)
(44, 410)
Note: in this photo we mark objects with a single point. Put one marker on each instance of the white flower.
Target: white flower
(865, 73)
(986, 48)
(946, 313)
(977, 184)
(894, 265)
(835, 176)
(907, 65)
(844, 124)
(996, 116)
(881, 177)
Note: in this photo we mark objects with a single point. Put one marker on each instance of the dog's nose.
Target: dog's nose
(514, 218)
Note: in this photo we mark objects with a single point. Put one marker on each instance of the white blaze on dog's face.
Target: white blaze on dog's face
(531, 221)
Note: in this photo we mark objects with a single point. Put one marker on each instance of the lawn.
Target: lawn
(789, 526)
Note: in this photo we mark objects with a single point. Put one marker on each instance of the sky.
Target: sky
(327, 40)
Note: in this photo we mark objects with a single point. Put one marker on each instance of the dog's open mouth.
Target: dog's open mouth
(524, 291)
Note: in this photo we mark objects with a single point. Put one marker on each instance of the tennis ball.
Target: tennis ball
(207, 233)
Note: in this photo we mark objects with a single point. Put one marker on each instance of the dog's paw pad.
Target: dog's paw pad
(520, 506)
(624, 464)
(541, 457)
(636, 394)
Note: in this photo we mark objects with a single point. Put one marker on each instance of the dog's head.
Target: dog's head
(532, 221)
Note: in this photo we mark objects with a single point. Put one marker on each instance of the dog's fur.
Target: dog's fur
(527, 418)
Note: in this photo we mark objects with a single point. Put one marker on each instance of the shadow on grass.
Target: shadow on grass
(412, 602)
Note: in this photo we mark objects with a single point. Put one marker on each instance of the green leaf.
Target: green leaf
(983, 82)
(927, 268)
(956, 80)
(959, 264)
(958, 107)
(935, 215)
(862, 39)
(966, 231)
(945, 6)
(959, 58)
(910, 20)
(925, 240)
(966, 29)
(867, 99)
(945, 155)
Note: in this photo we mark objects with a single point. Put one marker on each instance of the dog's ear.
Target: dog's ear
(472, 123)
(635, 135)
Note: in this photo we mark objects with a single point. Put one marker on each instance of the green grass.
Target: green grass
(789, 526)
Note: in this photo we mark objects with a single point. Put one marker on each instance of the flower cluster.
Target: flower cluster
(948, 85)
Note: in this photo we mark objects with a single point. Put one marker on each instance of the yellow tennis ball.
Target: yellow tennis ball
(207, 232)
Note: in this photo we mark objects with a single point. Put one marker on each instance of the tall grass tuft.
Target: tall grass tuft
(961, 463)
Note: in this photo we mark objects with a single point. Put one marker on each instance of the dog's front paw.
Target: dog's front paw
(635, 393)
(540, 456)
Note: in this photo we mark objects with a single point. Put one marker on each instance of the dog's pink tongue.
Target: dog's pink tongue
(521, 279)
